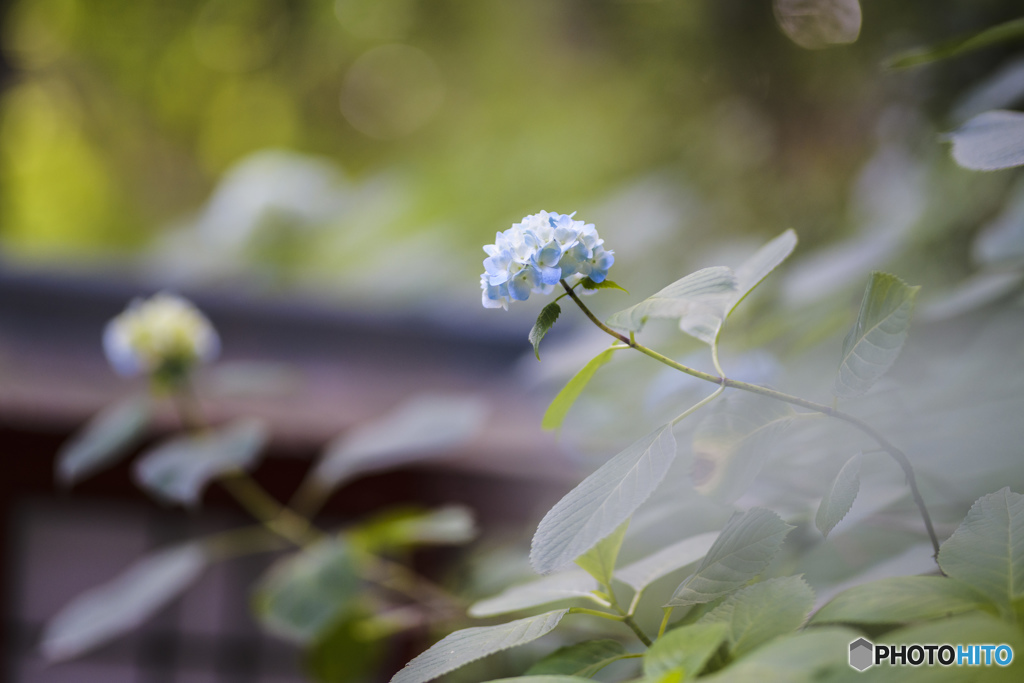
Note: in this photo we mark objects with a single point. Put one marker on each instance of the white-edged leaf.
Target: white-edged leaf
(840, 496)
(422, 427)
(554, 416)
(759, 613)
(987, 550)
(600, 560)
(567, 585)
(122, 604)
(817, 654)
(305, 593)
(581, 659)
(817, 24)
(900, 600)
(871, 347)
(746, 546)
(703, 293)
(731, 444)
(990, 141)
(687, 648)
(646, 571)
(104, 440)
(178, 470)
(602, 501)
(468, 645)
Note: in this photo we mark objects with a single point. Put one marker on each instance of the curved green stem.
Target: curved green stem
(595, 613)
(664, 621)
(895, 453)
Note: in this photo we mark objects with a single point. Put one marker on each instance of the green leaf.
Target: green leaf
(990, 141)
(105, 440)
(987, 550)
(121, 605)
(875, 341)
(599, 561)
(1010, 30)
(810, 656)
(706, 292)
(582, 659)
(745, 547)
(468, 645)
(178, 470)
(731, 444)
(759, 613)
(646, 571)
(575, 583)
(840, 496)
(340, 655)
(422, 427)
(589, 284)
(900, 600)
(602, 501)
(305, 593)
(706, 323)
(559, 408)
(548, 315)
(449, 525)
(687, 648)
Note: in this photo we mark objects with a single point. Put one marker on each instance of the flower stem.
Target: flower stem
(895, 453)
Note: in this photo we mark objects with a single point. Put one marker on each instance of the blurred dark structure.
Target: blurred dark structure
(330, 371)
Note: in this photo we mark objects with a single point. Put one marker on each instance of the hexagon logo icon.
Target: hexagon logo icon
(861, 654)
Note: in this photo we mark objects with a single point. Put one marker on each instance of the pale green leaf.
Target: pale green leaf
(548, 315)
(706, 292)
(643, 572)
(987, 550)
(449, 525)
(756, 614)
(303, 594)
(731, 444)
(559, 408)
(840, 496)
(600, 560)
(746, 546)
(756, 268)
(590, 285)
(686, 648)
(1010, 30)
(105, 440)
(876, 339)
(422, 427)
(807, 657)
(582, 659)
(468, 645)
(817, 24)
(178, 470)
(602, 501)
(900, 600)
(121, 605)
(990, 141)
(574, 583)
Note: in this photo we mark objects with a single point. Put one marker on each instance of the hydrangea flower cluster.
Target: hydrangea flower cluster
(164, 334)
(534, 254)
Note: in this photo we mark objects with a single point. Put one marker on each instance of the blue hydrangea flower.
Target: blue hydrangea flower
(534, 254)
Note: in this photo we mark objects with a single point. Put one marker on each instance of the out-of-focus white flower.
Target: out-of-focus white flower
(534, 254)
(164, 333)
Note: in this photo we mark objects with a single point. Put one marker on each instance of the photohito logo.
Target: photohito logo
(864, 654)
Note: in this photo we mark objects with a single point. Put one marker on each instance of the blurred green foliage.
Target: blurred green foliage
(119, 118)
